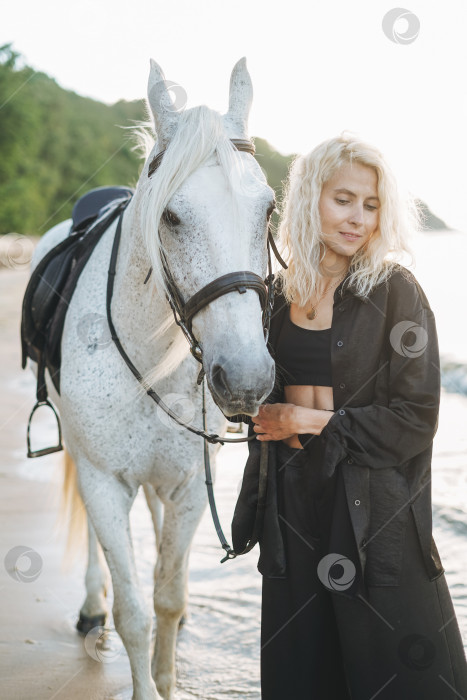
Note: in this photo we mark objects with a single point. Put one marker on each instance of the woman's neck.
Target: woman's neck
(332, 268)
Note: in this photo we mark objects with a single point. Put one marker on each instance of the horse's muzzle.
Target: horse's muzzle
(234, 394)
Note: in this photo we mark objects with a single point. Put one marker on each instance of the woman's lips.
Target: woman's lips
(350, 236)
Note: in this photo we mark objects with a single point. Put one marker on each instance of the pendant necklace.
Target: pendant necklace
(313, 312)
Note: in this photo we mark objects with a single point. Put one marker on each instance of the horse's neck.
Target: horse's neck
(137, 309)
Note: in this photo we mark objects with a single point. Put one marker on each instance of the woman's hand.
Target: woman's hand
(275, 421)
(278, 421)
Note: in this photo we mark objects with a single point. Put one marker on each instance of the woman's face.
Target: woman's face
(349, 209)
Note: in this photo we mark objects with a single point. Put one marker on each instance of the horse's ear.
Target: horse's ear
(163, 109)
(240, 98)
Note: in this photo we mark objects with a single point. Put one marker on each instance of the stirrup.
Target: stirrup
(45, 450)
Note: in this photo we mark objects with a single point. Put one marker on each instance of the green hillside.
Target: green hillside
(55, 145)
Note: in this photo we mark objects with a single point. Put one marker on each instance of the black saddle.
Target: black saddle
(88, 207)
(53, 282)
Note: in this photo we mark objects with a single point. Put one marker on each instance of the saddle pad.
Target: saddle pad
(51, 288)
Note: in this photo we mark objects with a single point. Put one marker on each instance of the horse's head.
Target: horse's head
(207, 210)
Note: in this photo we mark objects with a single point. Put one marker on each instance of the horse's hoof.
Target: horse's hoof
(85, 624)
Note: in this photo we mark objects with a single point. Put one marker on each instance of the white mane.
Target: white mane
(200, 136)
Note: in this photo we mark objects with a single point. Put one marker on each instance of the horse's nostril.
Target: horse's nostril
(219, 381)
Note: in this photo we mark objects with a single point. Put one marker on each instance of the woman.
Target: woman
(355, 602)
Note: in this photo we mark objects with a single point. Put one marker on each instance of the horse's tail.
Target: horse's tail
(72, 513)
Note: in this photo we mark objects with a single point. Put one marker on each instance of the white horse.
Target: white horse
(207, 206)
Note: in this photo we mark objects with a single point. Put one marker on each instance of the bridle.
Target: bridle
(184, 312)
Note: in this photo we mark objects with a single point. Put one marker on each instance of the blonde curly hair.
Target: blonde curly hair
(300, 234)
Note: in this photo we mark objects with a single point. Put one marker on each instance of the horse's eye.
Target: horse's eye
(271, 209)
(170, 218)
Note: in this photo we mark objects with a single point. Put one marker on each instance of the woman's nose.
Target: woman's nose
(356, 215)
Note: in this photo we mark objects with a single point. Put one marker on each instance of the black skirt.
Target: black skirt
(298, 629)
(304, 504)
(321, 638)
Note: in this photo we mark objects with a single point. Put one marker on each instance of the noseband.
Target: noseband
(184, 311)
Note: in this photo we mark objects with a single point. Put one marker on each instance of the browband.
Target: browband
(240, 144)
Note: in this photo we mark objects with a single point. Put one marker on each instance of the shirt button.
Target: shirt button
(341, 308)
(342, 385)
(340, 343)
(350, 460)
(342, 412)
(357, 502)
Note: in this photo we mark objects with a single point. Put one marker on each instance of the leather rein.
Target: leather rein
(184, 313)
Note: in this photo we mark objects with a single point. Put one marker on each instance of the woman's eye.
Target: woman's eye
(346, 201)
(170, 218)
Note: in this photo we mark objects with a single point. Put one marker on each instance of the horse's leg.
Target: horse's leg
(94, 610)
(108, 501)
(181, 518)
(157, 511)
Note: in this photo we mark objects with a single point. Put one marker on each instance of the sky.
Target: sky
(394, 76)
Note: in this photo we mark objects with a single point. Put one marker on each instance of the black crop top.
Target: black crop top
(303, 355)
